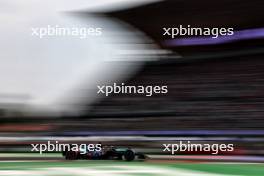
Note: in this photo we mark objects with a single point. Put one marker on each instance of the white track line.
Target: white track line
(107, 171)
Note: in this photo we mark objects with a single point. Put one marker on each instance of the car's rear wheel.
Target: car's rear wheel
(129, 155)
(71, 155)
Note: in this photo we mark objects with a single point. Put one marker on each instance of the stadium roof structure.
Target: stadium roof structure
(244, 16)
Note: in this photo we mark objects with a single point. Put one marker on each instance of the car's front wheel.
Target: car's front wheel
(129, 155)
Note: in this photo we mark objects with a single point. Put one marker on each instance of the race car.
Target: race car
(107, 153)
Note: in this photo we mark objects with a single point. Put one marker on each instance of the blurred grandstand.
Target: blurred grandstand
(215, 91)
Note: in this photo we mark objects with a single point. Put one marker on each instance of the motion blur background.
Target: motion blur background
(215, 87)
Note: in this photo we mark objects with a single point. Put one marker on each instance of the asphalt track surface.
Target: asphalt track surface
(54, 165)
(163, 158)
(119, 168)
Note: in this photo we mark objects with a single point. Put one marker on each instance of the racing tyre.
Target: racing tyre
(71, 155)
(129, 155)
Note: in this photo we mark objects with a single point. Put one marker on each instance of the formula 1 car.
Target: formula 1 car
(108, 153)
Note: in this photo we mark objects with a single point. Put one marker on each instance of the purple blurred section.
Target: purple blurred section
(171, 132)
(238, 35)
